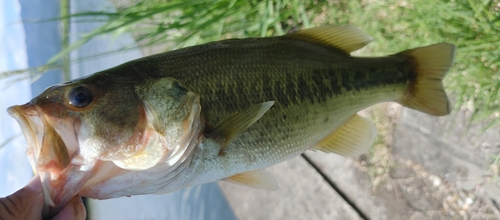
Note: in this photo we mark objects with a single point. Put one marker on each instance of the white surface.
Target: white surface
(15, 170)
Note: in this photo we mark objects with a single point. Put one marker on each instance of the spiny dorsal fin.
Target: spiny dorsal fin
(239, 122)
(259, 179)
(343, 37)
(352, 139)
(426, 93)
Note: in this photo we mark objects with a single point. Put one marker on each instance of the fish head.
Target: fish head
(87, 133)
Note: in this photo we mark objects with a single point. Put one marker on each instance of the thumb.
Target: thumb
(26, 203)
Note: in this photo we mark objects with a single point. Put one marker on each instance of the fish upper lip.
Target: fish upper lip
(32, 130)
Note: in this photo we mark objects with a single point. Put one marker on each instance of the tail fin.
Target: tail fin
(426, 92)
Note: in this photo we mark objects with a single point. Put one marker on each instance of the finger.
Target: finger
(26, 203)
(73, 210)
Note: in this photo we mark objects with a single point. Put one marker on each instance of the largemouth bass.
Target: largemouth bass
(221, 111)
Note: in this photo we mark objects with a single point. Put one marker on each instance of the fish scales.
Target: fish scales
(311, 85)
(288, 69)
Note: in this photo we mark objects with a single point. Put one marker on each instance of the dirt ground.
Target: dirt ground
(412, 192)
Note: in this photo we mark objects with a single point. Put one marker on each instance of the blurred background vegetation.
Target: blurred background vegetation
(473, 25)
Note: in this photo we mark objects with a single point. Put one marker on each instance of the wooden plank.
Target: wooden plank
(303, 194)
(355, 184)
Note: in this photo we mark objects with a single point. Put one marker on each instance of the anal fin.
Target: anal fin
(351, 139)
(259, 179)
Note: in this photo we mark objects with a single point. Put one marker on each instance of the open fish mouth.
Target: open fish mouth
(49, 153)
(32, 128)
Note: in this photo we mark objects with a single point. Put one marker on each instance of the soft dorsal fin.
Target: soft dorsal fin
(239, 122)
(259, 179)
(352, 139)
(343, 37)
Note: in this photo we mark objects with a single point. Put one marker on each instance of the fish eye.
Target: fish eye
(80, 97)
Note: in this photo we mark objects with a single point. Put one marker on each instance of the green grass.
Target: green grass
(184, 23)
(474, 26)
(65, 38)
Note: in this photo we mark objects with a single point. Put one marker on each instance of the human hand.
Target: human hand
(27, 203)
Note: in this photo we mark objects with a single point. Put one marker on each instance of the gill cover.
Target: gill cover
(166, 119)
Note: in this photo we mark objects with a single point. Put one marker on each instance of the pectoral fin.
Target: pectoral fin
(239, 122)
(352, 139)
(259, 179)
